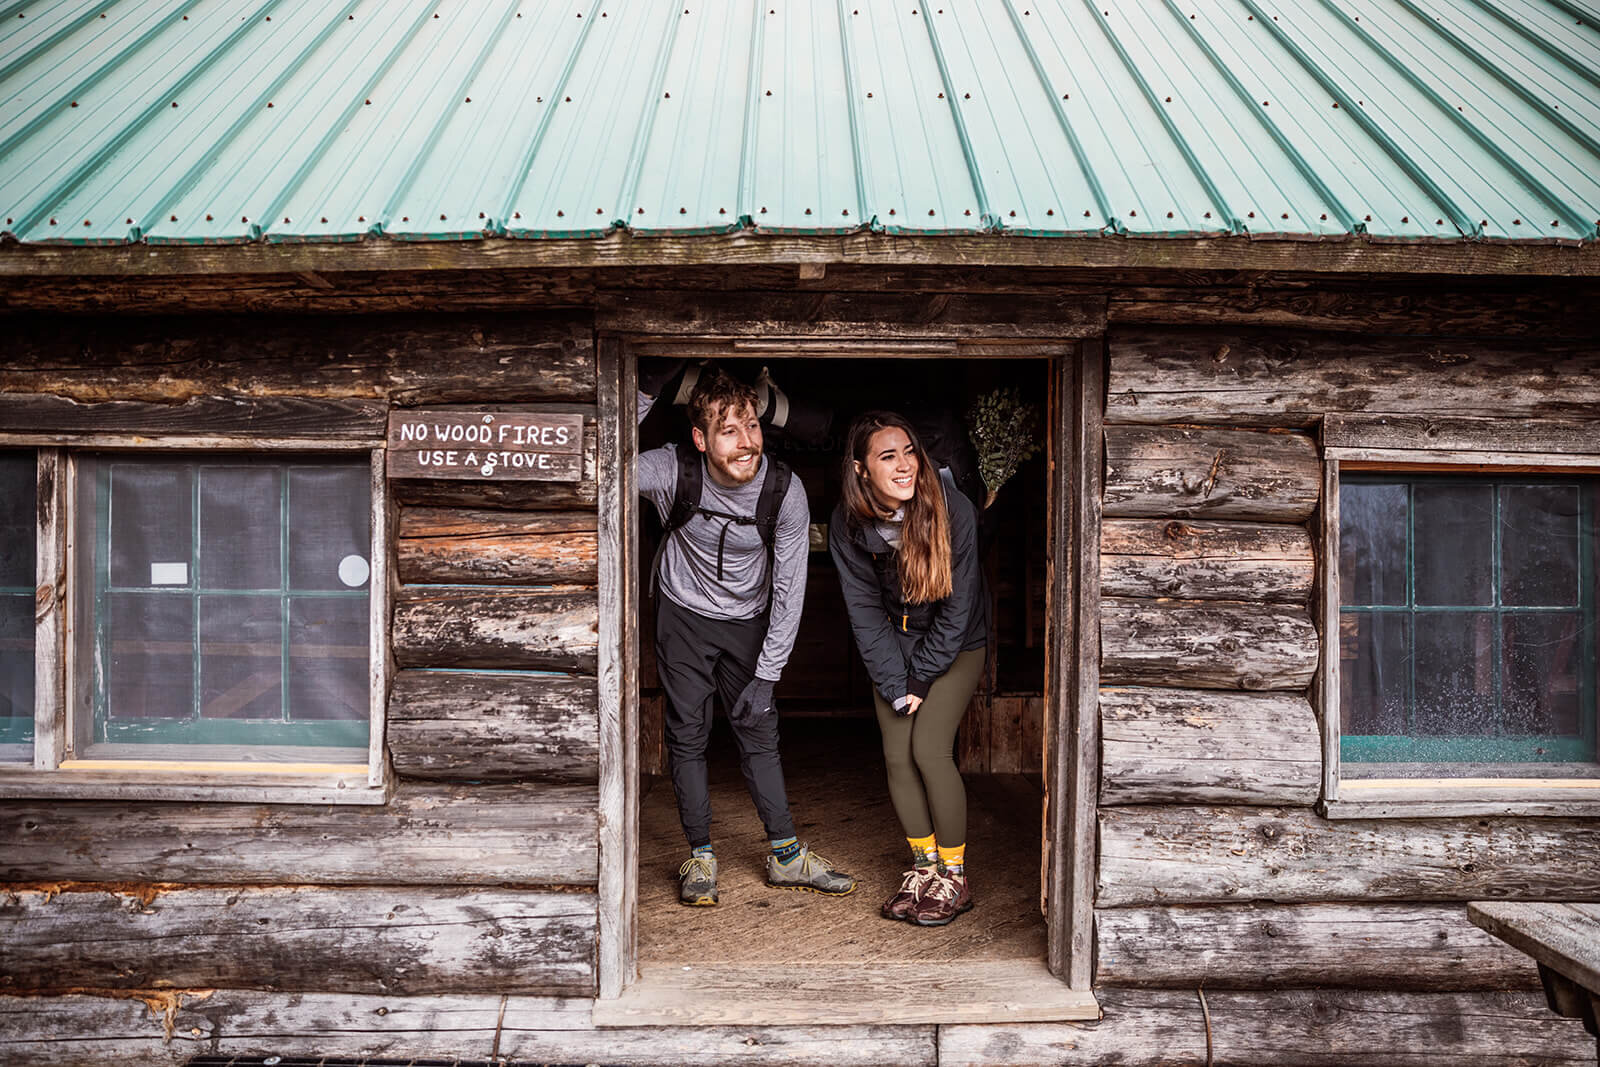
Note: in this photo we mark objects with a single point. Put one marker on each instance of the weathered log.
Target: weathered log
(1426, 948)
(1173, 855)
(494, 727)
(395, 940)
(1207, 472)
(427, 834)
(835, 315)
(1460, 308)
(196, 416)
(1188, 746)
(447, 545)
(1318, 1028)
(448, 626)
(1206, 560)
(1206, 644)
(417, 359)
(168, 1028)
(1434, 433)
(1275, 378)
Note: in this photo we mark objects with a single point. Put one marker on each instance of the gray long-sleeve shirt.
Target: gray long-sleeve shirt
(689, 564)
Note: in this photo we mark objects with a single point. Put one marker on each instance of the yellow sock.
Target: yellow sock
(924, 849)
(954, 858)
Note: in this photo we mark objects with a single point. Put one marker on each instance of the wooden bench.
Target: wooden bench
(1564, 939)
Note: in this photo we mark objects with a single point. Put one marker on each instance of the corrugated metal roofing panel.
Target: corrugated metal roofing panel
(301, 120)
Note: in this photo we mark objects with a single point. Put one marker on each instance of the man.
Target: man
(730, 581)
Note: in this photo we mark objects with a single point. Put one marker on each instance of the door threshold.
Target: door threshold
(743, 994)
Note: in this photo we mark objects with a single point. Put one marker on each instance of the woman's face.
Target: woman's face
(890, 469)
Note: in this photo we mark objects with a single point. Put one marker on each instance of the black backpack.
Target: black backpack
(686, 503)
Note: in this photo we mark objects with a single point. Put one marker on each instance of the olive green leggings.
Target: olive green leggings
(918, 750)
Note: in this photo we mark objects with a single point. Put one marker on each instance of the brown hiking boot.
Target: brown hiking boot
(942, 899)
(905, 898)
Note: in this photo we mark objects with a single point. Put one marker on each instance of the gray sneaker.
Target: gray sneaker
(697, 882)
(810, 872)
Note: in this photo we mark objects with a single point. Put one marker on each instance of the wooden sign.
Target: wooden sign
(510, 444)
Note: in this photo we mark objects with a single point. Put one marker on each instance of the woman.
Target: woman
(906, 547)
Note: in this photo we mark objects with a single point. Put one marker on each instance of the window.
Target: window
(219, 607)
(17, 580)
(1466, 622)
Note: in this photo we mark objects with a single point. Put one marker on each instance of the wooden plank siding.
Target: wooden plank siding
(1413, 947)
(1255, 377)
(298, 938)
(1192, 746)
(445, 546)
(428, 834)
(494, 726)
(1223, 855)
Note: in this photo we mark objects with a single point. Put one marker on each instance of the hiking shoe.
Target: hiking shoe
(943, 898)
(810, 872)
(697, 882)
(905, 898)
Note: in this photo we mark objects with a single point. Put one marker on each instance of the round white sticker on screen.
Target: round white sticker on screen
(353, 570)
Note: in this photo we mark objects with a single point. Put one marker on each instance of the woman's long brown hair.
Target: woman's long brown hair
(924, 556)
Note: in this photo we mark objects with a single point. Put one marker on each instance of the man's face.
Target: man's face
(732, 446)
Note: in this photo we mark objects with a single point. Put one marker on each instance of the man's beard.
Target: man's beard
(730, 473)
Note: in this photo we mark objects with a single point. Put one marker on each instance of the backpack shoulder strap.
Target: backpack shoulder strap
(773, 487)
(685, 500)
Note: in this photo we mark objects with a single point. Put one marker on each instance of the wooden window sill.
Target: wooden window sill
(240, 783)
(1419, 798)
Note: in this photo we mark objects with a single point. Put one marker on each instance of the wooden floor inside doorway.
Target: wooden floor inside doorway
(772, 956)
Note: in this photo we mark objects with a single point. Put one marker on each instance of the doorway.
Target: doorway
(832, 758)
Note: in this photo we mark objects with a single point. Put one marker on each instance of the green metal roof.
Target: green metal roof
(218, 121)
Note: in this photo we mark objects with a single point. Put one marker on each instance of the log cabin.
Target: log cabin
(325, 734)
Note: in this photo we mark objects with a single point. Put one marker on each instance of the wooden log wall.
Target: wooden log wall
(479, 874)
(1215, 869)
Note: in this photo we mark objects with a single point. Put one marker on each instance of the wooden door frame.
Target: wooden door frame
(1072, 735)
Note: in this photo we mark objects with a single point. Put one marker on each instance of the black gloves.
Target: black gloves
(754, 704)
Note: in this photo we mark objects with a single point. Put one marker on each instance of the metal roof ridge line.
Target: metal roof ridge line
(852, 109)
(633, 170)
(65, 188)
(1547, 45)
(71, 27)
(1334, 204)
(193, 175)
(100, 73)
(320, 149)
(1182, 143)
(403, 186)
(1089, 177)
(745, 195)
(986, 218)
(543, 127)
(1462, 221)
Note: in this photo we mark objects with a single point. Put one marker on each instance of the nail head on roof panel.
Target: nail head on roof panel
(1169, 214)
(1436, 222)
(128, 221)
(1324, 217)
(1252, 214)
(930, 210)
(86, 222)
(1051, 211)
(403, 218)
(518, 214)
(1284, 215)
(808, 211)
(683, 211)
(891, 211)
(1405, 218)
(480, 214)
(559, 214)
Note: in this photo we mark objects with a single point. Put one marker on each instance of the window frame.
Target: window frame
(1419, 797)
(57, 772)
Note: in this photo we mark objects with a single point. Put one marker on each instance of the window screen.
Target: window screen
(1467, 620)
(18, 478)
(225, 601)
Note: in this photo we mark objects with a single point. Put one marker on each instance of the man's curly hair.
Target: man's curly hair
(715, 394)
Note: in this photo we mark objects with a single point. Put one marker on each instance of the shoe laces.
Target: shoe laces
(699, 864)
(915, 878)
(941, 887)
(810, 861)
